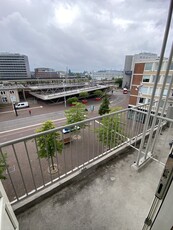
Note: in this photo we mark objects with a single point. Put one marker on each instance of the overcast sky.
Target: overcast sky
(81, 34)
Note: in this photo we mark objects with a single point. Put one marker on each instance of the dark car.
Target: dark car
(71, 129)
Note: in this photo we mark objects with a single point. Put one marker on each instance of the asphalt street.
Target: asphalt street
(12, 127)
(79, 151)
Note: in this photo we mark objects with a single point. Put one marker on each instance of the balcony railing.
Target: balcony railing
(26, 173)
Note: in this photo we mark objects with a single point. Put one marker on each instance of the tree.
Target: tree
(104, 107)
(78, 75)
(98, 93)
(84, 94)
(70, 73)
(119, 81)
(3, 165)
(50, 143)
(110, 131)
(76, 113)
(72, 100)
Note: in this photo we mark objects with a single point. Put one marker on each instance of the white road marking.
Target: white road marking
(31, 108)
(25, 127)
(99, 122)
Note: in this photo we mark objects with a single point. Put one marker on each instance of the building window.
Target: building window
(2, 92)
(4, 100)
(142, 100)
(148, 66)
(156, 65)
(163, 67)
(150, 90)
(144, 90)
(168, 80)
(171, 66)
(153, 78)
(161, 103)
(165, 92)
(146, 78)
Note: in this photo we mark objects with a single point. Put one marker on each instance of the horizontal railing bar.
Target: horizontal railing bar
(112, 139)
(66, 126)
(159, 117)
(60, 128)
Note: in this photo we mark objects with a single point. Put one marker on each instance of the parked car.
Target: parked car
(21, 105)
(71, 129)
(125, 91)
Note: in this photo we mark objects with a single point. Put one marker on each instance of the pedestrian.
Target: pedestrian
(92, 108)
(30, 112)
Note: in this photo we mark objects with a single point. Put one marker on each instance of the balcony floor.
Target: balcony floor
(112, 197)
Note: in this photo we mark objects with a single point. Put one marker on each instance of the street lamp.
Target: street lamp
(65, 104)
(15, 110)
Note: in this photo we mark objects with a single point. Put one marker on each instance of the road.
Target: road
(13, 127)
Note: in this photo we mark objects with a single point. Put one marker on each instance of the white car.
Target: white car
(21, 105)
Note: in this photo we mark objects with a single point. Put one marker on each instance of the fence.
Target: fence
(82, 143)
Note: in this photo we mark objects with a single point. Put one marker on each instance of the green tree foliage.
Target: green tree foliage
(76, 113)
(98, 93)
(119, 81)
(110, 131)
(104, 107)
(84, 95)
(50, 143)
(3, 165)
(72, 100)
(78, 75)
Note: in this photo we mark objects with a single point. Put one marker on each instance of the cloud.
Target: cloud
(80, 34)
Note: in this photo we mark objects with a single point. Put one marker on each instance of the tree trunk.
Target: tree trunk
(51, 158)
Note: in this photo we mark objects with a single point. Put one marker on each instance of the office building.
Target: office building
(14, 66)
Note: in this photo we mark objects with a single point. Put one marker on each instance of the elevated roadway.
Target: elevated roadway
(67, 93)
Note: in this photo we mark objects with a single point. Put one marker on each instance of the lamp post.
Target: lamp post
(15, 110)
(65, 103)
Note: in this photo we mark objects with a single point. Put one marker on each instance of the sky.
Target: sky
(82, 35)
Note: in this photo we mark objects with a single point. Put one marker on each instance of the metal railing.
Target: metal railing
(26, 173)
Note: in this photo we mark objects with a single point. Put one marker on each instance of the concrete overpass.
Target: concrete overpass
(68, 92)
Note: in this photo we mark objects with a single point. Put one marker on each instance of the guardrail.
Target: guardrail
(26, 173)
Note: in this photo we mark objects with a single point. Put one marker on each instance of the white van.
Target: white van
(21, 105)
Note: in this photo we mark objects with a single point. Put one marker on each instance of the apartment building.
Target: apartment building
(143, 78)
(130, 61)
(14, 66)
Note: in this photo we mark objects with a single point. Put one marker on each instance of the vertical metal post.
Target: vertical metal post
(20, 170)
(156, 80)
(159, 102)
(41, 170)
(15, 110)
